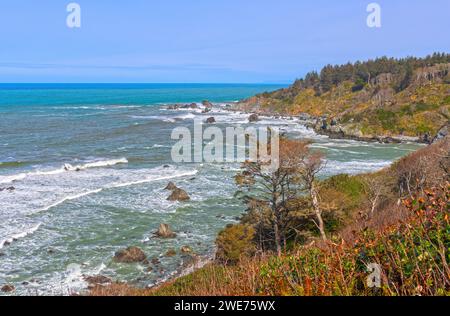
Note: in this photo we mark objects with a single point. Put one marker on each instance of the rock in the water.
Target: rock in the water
(155, 261)
(130, 255)
(171, 253)
(164, 231)
(8, 288)
(171, 186)
(207, 104)
(179, 195)
(97, 280)
(10, 189)
(186, 249)
(253, 118)
(210, 120)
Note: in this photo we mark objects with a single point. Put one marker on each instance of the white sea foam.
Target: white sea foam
(70, 198)
(63, 169)
(354, 166)
(20, 235)
(151, 178)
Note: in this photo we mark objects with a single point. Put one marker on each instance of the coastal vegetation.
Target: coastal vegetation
(304, 235)
(397, 218)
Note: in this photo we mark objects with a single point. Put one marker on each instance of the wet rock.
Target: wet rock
(171, 253)
(164, 231)
(207, 104)
(186, 249)
(97, 280)
(166, 166)
(210, 120)
(155, 261)
(179, 195)
(171, 186)
(207, 110)
(173, 107)
(130, 255)
(2, 254)
(253, 118)
(193, 105)
(10, 189)
(304, 117)
(442, 133)
(8, 288)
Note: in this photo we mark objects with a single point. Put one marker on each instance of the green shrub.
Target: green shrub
(387, 119)
(447, 100)
(422, 107)
(235, 241)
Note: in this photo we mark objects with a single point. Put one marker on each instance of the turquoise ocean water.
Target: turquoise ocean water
(59, 224)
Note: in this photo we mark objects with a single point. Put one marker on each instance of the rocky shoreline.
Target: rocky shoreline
(322, 125)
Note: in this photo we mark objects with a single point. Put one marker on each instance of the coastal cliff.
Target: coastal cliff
(387, 100)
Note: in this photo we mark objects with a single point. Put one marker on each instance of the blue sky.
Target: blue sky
(254, 41)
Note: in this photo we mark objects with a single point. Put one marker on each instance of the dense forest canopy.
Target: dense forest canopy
(360, 73)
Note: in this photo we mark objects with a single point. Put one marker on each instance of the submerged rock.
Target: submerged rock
(179, 195)
(164, 231)
(130, 255)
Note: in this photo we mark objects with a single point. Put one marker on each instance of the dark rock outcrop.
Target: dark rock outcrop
(442, 133)
(171, 253)
(210, 120)
(207, 104)
(186, 249)
(253, 118)
(179, 195)
(10, 189)
(97, 280)
(8, 288)
(130, 255)
(170, 186)
(155, 261)
(164, 231)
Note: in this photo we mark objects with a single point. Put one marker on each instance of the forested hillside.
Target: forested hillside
(385, 96)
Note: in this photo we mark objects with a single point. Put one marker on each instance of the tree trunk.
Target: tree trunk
(277, 237)
(318, 213)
